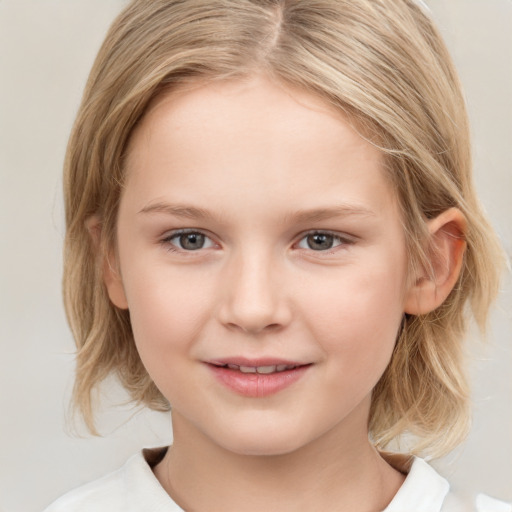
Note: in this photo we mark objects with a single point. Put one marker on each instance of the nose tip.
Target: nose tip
(254, 302)
(254, 315)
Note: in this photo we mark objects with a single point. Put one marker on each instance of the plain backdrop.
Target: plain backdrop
(46, 50)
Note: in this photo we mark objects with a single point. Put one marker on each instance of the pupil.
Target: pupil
(319, 242)
(192, 241)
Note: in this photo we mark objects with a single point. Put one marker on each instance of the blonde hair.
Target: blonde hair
(383, 63)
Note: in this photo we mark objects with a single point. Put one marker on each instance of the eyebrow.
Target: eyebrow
(319, 214)
(177, 210)
(301, 216)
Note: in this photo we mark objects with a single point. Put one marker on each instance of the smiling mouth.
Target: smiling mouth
(262, 370)
(259, 379)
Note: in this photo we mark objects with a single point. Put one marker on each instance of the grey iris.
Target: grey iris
(192, 241)
(320, 241)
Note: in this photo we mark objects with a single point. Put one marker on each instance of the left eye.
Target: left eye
(189, 241)
(321, 241)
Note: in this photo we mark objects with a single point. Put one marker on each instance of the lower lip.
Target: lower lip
(257, 385)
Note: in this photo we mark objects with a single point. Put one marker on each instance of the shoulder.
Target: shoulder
(480, 503)
(100, 495)
(485, 503)
(131, 488)
(424, 490)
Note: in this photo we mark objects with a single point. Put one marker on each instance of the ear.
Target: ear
(446, 247)
(110, 266)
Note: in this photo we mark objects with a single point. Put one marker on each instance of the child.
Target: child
(272, 230)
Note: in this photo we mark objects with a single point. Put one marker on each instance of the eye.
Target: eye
(322, 241)
(188, 241)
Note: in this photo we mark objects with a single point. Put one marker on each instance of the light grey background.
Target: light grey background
(46, 50)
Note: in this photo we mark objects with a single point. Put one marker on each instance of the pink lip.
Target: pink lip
(256, 385)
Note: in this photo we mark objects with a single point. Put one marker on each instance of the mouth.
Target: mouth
(257, 379)
(262, 369)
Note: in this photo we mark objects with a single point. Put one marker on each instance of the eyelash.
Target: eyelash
(342, 241)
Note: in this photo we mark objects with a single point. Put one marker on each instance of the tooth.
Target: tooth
(291, 367)
(281, 367)
(266, 369)
(247, 369)
(233, 366)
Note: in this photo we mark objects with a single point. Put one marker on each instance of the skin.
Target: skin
(253, 153)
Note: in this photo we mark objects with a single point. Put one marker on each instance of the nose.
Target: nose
(254, 298)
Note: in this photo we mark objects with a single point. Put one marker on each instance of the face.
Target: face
(262, 259)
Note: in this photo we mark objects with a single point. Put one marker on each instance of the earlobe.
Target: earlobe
(108, 261)
(113, 282)
(446, 247)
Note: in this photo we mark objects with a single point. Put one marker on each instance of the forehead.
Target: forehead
(250, 107)
(251, 136)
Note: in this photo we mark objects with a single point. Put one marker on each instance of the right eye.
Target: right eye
(187, 241)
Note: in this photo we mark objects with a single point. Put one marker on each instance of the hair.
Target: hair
(381, 63)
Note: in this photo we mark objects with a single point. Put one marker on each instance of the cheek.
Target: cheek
(167, 314)
(167, 310)
(356, 316)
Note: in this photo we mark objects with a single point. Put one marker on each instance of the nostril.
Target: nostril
(253, 329)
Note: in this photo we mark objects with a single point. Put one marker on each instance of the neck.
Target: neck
(329, 473)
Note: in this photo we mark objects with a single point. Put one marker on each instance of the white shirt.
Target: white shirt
(134, 488)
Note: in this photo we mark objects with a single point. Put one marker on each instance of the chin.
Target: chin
(262, 441)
